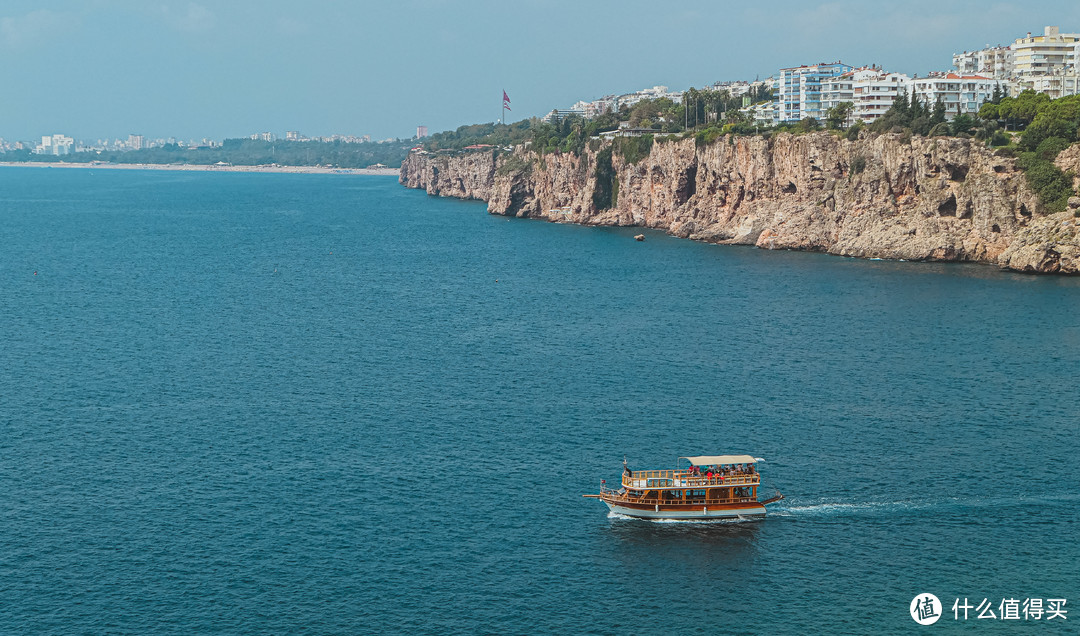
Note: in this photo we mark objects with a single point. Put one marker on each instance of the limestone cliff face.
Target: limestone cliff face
(465, 176)
(924, 199)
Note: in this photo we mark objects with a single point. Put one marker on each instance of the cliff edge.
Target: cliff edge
(886, 196)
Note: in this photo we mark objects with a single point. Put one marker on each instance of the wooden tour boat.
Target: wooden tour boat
(712, 487)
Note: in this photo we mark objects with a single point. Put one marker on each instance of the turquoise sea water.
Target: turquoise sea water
(264, 403)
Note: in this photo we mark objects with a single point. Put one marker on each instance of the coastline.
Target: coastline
(185, 167)
(917, 199)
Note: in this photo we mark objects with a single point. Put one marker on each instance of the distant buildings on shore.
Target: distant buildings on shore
(60, 144)
(1047, 63)
(55, 145)
(294, 135)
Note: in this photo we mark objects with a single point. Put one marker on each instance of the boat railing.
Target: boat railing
(682, 479)
(625, 497)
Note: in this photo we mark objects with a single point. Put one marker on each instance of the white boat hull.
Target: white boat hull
(749, 512)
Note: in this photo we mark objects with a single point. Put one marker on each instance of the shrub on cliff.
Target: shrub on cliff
(940, 130)
(1053, 186)
(858, 164)
(514, 164)
(705, 137)
(1050, 147)
(633, 149)
(606, 191)
(1000, 139)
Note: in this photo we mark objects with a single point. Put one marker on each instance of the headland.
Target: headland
(890, 196)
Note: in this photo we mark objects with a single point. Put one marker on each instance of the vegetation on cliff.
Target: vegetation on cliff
(1046, 127)
(1053, 186)
(606, 194)
(1030, 126)
(700, 110)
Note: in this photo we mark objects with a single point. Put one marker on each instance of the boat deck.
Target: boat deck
(683, 479)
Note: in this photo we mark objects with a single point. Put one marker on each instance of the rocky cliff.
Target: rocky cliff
(883, 196)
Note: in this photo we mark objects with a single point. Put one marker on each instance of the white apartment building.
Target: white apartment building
(1059, 84)
(1049, 53)
(874, 92)
(870, 90)
(761, 114)
(960, 93)
(740, 87)
(835, 90)
(995, 62)
(798, 91)
(596, 107)
(54, 145)
(656, 92)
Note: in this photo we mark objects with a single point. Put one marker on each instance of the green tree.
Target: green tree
(837, 117)
(808, 124)
(938, 115)
(962, 124)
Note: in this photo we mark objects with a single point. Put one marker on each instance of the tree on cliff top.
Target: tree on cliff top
(837, 117)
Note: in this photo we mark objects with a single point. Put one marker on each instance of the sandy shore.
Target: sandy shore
(200, 168)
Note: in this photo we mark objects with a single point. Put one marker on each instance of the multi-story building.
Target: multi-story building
(55, 145)
(871, 91)
(597, 107)
(1058, 84)
(874, 92)
(135, 142)
(994, 61)
(560, 114)
(1049, 53)
(960, 93)
(798, 91)
(656, 92)
(837, 89)
(761, 114)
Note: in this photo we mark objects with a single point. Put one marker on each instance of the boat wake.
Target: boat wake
(875, 508)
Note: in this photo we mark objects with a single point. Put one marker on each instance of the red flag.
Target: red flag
(506, 98)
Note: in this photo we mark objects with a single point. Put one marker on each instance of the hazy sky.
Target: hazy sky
(228, 68)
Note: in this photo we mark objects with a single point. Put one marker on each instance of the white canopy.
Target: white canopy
(712, 460)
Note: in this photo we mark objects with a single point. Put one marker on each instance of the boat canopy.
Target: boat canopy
(715, 460)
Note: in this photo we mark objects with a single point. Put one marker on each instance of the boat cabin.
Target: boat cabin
(705, 479)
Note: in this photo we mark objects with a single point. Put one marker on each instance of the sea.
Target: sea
(236, 403)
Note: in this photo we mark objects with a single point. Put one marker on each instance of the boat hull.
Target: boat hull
(689, 513)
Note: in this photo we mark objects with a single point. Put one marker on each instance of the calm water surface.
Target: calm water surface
(249, 403)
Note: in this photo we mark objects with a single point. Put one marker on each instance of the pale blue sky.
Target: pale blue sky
(228, 68)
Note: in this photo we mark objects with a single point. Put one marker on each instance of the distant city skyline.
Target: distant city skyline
(195, 70)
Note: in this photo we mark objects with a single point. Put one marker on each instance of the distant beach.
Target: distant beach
(203, 168)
